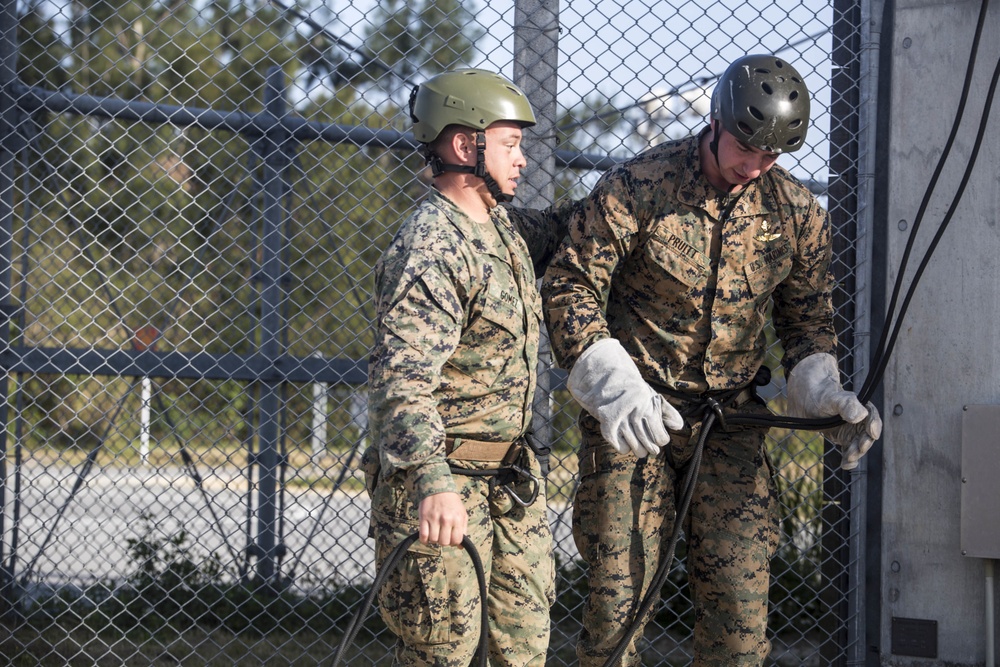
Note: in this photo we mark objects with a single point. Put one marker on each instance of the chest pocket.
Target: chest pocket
(768, 267)
(676, 257)
(503, 307)
(495, 333)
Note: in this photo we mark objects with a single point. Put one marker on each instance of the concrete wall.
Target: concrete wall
(948, 354)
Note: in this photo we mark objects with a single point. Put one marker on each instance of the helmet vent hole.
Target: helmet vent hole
(745, 129)
(756, 113)
(795, 124)
(794, 95)
(767, 88)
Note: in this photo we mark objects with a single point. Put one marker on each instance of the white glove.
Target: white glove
(607, 383)
(814, 390)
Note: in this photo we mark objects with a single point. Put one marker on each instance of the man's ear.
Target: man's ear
(464, 147)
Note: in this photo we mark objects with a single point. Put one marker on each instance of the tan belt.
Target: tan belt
(464, 449)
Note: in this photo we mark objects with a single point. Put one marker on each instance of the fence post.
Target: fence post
(8, 125)
(275, 186)
(536, 63)
(843, 520)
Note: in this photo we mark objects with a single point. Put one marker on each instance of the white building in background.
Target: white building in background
(674, 114)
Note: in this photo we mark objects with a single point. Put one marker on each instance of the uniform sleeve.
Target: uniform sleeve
(543, 230)
(418, 328)
(577, 282)
(803, 305)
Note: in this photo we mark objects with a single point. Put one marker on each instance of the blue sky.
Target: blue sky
(629, 49)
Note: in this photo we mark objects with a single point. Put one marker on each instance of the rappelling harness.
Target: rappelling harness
(513, 470)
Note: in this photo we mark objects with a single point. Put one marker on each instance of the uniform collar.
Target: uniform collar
(694, 189)
(485, 237)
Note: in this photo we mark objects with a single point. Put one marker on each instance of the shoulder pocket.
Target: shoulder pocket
(426, 312)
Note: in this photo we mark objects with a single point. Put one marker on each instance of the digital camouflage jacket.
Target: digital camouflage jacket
(684, 276)
(458, 317)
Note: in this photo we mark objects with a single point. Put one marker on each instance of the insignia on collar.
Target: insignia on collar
(764, 235)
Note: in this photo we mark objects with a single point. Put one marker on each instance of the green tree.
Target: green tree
(128, 224)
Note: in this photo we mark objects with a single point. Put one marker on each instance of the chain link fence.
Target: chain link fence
(194, 197)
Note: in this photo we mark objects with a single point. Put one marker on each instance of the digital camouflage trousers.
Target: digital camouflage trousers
(623, 517)
(432, 601)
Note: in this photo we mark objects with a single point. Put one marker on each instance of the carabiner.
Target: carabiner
(509, 486)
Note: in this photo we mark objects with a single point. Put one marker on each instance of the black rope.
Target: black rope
(390, 564)
(667, 559)
(712, 409)
(886, 343)
(870, 385)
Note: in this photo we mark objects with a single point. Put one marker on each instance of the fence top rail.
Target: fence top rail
(257, 124)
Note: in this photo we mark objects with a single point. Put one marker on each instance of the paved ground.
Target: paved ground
(80, 538)
(83, 537)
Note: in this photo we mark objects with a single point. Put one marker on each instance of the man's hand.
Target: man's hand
(443, 519)
(814, 390)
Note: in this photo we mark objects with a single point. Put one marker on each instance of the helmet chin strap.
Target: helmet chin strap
(438, 167)
(714, 144)
(714, 147)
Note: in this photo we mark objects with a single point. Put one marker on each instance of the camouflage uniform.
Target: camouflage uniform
(456, 348)
(683, 276)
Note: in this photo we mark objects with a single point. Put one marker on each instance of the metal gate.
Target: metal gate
(194, 195)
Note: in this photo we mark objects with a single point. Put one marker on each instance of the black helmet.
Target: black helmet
(763, 102)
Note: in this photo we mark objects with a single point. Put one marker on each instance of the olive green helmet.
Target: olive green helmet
(469, 97)
(763, 102)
